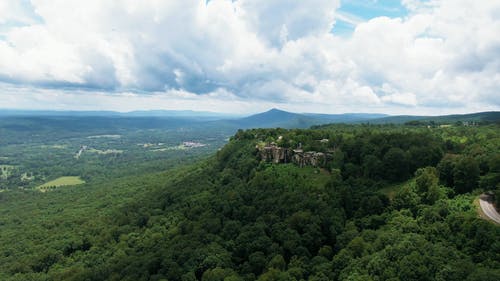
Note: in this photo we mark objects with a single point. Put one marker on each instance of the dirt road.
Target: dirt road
(488, 209)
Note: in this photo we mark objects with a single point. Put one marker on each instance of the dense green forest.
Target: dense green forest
(387, 203)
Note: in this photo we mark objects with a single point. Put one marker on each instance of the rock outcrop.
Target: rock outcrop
(275, 154)
(310, 158)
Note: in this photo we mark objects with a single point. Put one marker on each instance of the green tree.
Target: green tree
(406, 198)
(276, 275)
(396, 164)
(445, 169)
(277, 262)
(426, 182)
(497, 197)
(466, 175)
(372, 167)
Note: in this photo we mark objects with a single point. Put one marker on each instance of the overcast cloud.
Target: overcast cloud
(443, 56)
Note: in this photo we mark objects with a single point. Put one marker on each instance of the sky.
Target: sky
(245, 56)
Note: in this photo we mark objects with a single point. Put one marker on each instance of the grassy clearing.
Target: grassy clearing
(105, 136)
(59, 146)
(179, 147)
(107, 151)
(390, 191)
(62, 181)
(318, 177)
(54, 146)
(26, 177)
(291, 174)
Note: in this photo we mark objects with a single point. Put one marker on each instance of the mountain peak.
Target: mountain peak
(274, 109)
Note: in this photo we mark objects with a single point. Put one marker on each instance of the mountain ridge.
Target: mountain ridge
(269, 119)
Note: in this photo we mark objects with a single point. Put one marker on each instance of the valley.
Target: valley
(46, 149)
(204, 202)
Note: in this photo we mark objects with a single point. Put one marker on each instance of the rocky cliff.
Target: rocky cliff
(275, 154)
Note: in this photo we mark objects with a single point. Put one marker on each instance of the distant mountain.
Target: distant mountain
(275, 118)
(489, 116)
(269, 119)
(186, 114)
(38, 113)
(180, 113)
(346, 117)
(279, 118)
(284, 119)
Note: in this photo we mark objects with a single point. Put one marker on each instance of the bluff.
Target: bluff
(275, 154)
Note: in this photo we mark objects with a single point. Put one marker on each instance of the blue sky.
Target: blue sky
(246, 56)
(357, 11)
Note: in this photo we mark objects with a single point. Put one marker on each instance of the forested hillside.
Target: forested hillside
(387, 203)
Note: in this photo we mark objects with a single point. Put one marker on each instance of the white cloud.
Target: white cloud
(444, 55)
(401, 98)
(14, 11)
(298, 18)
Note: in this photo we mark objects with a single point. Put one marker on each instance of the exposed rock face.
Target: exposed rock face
(310, 158)
(276, 154)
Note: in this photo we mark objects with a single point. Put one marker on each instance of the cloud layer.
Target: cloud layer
(246, 55)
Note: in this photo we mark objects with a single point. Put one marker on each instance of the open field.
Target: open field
(178, 147)
(317, 177)
(54, 146)
(107, 151)
(105, 136)
(61, 181)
